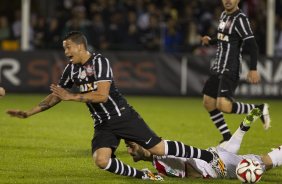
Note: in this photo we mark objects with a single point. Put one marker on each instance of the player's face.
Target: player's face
(135, 151)
(72, 51)
(230, 5)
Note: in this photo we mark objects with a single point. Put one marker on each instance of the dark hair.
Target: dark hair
(77, 37)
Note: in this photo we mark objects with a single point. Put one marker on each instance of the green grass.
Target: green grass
(54, 146)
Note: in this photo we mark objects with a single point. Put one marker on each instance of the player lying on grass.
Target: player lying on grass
(195, 168)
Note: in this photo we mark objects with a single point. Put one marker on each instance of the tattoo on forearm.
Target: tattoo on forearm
(81, 99)
(44, 105)
(48, 102)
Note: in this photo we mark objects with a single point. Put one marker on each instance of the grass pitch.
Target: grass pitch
(54, 146)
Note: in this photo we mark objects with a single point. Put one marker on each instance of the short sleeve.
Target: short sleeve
(65, 80)
(243, 28)
(103, 69)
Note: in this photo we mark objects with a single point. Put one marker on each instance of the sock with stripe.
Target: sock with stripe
(179, 149)
(218, 120)
(118, 167)
(242, 108)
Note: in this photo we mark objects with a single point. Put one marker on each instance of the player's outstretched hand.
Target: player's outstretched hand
(205, 40)
(17, 113)
(60, 92)
(253, 77)
(2, 92)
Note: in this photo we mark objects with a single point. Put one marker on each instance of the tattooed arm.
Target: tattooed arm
(45, 104)
(99, 96)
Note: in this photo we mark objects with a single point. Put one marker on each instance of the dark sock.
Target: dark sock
(218, 120)
(179, 149)
(242, 108)
(116, 166)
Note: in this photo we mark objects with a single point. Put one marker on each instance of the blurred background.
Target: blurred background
(154, 45)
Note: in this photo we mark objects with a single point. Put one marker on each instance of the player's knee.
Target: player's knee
(224, 106)
(209, 105)
(101, 161)
(220, 106)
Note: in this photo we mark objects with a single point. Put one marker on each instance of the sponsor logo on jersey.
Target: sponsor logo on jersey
(88, 87)
(89, 69)
(222, 25)
(82, 75)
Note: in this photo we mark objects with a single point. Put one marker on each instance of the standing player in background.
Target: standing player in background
(233, 35)
(114, 118)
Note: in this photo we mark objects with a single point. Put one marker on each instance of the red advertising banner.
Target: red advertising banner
(137, 73)
(134, 72)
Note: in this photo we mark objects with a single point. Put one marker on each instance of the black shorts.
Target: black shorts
(220, 86)
(129, 126)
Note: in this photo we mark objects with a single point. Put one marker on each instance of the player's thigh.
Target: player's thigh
(211, 86)
(224, 104)
(135, 129)
(209, 103)
(227, 86)
(104, 139)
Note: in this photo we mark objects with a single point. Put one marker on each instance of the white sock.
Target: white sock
(234, 143)
(276, 156)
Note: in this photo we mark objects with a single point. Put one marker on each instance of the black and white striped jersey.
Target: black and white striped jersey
(232, 30)
(86, 77)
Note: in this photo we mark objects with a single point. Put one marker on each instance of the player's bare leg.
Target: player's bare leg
(267, 162)
(224, 104)
(102, 158)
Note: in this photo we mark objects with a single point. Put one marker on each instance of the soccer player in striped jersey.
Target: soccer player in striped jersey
(234, 34)
(114, 118)
(195, 168)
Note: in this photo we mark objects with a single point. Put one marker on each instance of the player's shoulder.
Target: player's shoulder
(97, 56)
(241, 14)
(68, 66)
(67, 69)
